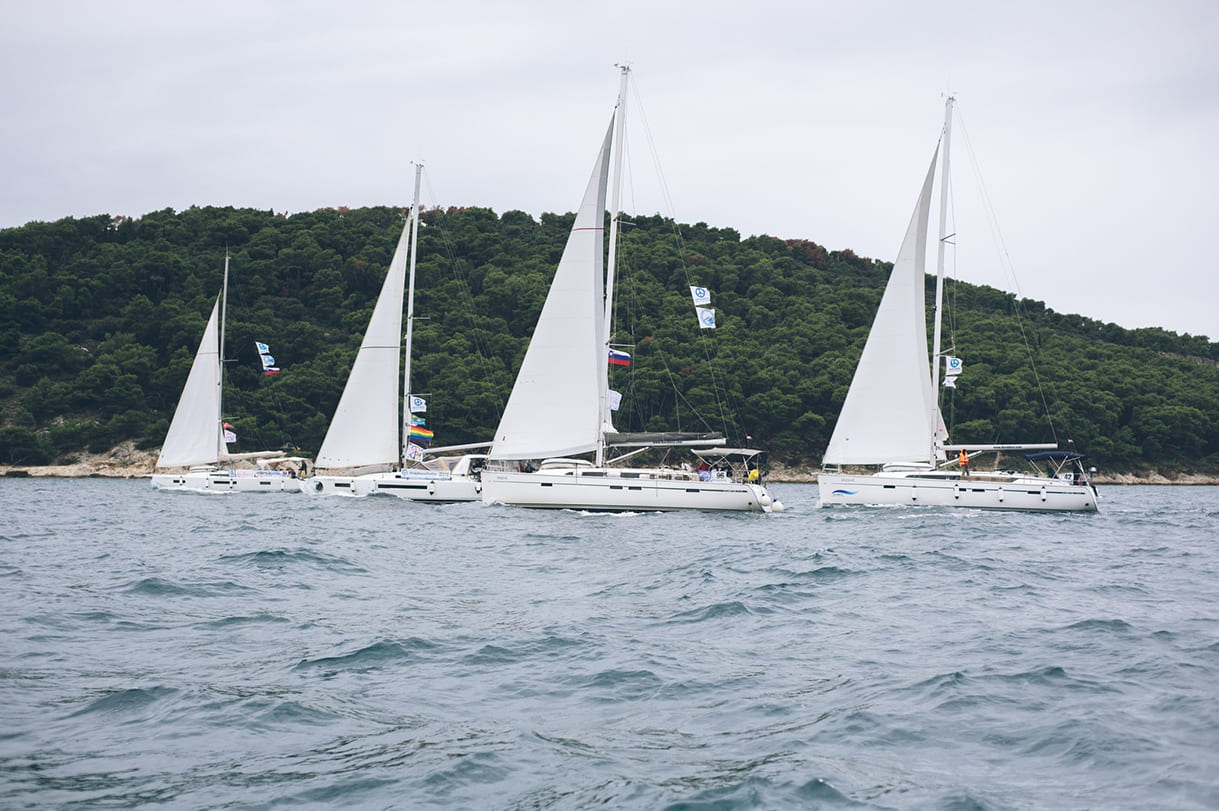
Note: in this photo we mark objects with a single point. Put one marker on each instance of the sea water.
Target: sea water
(265, 650)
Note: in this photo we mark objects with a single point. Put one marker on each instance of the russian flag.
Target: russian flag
(617, 358)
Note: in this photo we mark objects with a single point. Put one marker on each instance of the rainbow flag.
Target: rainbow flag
(419, 432)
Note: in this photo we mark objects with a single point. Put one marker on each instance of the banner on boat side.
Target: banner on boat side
(706, 317)
(701, 296)
(418, 403)
(619, 358)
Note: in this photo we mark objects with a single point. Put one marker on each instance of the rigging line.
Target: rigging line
(678, 395)
(241, 398)
(631, 297)
(477, 335)
(1006, 261)
(450, 252)
(704, 340)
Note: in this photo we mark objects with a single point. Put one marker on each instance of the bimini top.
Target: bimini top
(1057, 456)
(719, 452)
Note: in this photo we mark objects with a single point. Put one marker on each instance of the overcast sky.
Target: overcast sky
(1092, 125)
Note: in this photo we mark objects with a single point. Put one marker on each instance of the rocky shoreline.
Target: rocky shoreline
(128, 462)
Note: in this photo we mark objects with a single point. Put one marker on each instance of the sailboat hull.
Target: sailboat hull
(982, 491)
(227, 481)
(410, 485)
(621, 490)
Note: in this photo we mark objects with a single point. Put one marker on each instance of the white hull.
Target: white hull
(981, 491)
(227, 481)
(411, 485)
(621, 490)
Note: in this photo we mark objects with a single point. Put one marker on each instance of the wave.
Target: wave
(282, 558)
(370, 657)
(125, 701)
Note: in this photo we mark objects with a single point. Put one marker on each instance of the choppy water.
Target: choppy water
(259, 651)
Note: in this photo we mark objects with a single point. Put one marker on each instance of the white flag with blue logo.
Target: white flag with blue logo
(706, 317)
(951, 370)
(701, 296)
(418, 403)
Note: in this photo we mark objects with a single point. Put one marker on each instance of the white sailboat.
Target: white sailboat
(558, 406)
(891, 416)
(367, 448)
(194, 447)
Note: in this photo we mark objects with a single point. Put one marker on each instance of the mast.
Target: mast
(221, 448)
(939, 280)
(410, 323)
(615, 215)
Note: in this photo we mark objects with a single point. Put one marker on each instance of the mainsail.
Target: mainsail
(888, 412)
(556, 404)
(194, 433)
(365, 427)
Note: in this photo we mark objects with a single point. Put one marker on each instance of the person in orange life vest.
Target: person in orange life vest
(963, 461)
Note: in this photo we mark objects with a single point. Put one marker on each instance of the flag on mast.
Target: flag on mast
(268, 362)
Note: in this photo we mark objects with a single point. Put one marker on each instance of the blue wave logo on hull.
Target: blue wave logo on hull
(845, 492)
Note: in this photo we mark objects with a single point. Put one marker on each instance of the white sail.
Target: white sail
(194, 433)
(888, 412)
(364, 430)
(555, 407)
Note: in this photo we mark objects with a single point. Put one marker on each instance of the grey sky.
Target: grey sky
(1092, 123)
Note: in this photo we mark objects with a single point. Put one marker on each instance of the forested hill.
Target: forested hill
(100, 318)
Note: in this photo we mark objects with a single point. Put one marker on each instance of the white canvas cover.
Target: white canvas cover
(889, 414)
(556, 403)
(364, 430)
(194, 433)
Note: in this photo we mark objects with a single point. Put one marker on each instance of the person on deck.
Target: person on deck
(963, 462)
